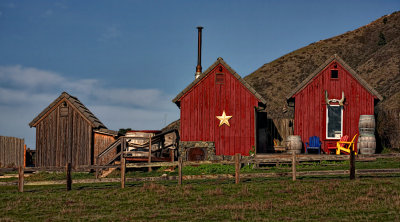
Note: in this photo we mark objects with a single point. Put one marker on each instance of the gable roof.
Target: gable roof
(96, 123)
(205, 73)
(303, 84)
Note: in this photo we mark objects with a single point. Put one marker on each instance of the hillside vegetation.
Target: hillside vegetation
(373, 51)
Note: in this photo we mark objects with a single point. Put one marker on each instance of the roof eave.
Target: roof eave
(177, 99)
(305, 82)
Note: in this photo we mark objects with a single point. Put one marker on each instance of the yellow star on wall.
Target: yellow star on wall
(224, 119)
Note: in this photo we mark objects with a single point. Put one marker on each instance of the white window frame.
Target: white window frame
(341, 122)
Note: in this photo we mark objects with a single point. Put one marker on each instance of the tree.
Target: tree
(122, 131)
(382, 39)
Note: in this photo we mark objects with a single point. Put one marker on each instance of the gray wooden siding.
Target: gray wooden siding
(11, 151)
(62, 137)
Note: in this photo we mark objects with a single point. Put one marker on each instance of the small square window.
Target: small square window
(64, 109)
(334, 74)
(219, 78)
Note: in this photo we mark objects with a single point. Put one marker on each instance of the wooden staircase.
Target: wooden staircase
(113, 154)
(106, 158)
(106, 172)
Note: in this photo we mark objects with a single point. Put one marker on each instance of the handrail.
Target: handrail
(113, 145)
(121, 141)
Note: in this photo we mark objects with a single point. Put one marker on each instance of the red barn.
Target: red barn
(219, 107)
(329, 102)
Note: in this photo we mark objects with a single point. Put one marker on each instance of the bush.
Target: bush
(382, 39)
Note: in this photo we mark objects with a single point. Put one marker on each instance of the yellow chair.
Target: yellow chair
(344, 146)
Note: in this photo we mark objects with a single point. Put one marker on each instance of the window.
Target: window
(219, 78)
(334, 122)
(334, 74)
(64, 109)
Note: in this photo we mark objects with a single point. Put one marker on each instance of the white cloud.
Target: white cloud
(134, 97)
(19, 97)
(29, 77)
(26, 91)
(116, 117)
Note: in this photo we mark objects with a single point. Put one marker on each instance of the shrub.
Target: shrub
(382, 39)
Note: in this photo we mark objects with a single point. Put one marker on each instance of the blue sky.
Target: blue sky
(126, 60)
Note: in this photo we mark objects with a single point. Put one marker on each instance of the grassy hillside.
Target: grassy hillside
(372, 50)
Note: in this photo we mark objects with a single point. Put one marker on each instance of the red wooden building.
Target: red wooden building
(329, 102)
(220, 107)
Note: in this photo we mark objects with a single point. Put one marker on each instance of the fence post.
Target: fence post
(294, 166)
(237, 168)
(180, 163)
(352, 164)
(149, 161)
(20, 179)
(69, 179)
(97, 169)
(172, 155)
(123, 166)
(24, 155)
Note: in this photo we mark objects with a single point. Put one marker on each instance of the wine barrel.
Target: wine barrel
(366, 125)
(366, 144)
(294, 144)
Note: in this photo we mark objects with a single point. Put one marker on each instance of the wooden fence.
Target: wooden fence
(294, 159)
(12, 152)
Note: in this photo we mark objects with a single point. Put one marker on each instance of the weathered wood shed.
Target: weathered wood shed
(219, 107)
(66, 131)
(329, 102)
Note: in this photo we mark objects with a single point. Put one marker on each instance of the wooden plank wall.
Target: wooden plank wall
(63, 137)
(310, 105)
(101, 142)
(11, 151)
(208, 99)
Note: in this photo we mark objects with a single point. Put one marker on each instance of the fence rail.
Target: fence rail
(238, 161)
(12, 152)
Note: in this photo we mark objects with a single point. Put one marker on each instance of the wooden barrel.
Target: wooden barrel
(294, 144)
(366, 125)
(366, 144)
(366, 131)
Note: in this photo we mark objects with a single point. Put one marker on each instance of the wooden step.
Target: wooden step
(107, 172)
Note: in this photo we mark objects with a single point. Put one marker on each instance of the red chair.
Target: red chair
(344, 138)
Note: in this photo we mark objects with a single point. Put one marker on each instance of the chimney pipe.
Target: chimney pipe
(198, 67)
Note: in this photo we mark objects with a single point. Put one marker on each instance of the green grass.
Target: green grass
(221, 169)
(319, 199)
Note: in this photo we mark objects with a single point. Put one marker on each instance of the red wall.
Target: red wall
(206, 100)
(310, 106)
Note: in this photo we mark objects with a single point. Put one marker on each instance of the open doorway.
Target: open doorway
(261, 132)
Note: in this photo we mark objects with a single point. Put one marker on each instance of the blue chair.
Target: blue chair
(314, 144)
